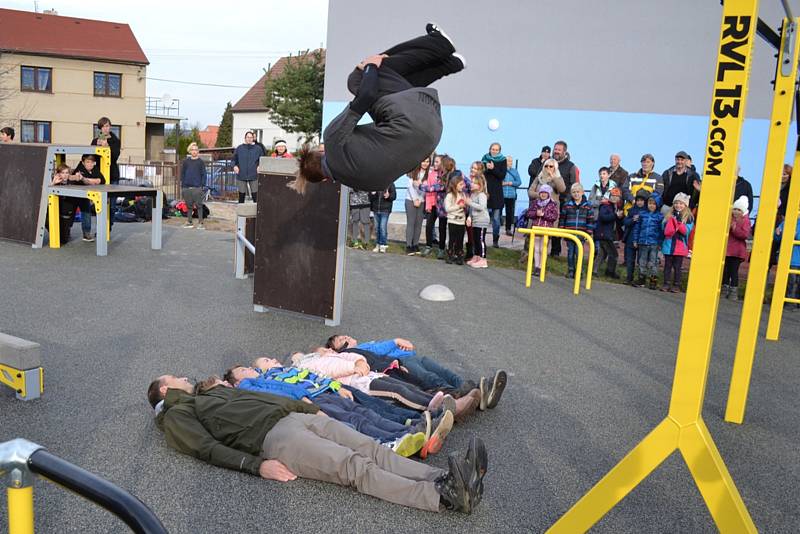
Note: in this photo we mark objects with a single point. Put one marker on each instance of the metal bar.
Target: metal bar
(787, 9)
(766, 32)
(116, 500)
(780, 118)
(20, 510)
(245, 242)
(155, 220)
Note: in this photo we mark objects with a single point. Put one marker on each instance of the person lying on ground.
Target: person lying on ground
(282, 439)
(301, 384)
(352, 369)
(407, 123)
(420, 370)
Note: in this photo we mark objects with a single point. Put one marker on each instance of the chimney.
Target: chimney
(50, 12)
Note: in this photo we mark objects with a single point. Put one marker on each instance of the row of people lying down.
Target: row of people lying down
(349, 413)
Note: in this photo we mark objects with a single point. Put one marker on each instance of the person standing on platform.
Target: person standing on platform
(193, 178)
(510, 185)
(106, 137)
(245, 165)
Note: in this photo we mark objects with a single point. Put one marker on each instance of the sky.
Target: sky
(225, 43)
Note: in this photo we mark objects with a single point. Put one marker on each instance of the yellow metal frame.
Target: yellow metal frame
(782, 103)
(54, 221)
(20, 510)
(788, 242)
(573, 235)
(15, 379)
(684, 429)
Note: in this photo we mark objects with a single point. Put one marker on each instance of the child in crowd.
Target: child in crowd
(381, 204)
(677, 227)
(415, 205)
(88, 169)
(628, 224)
(601, 189)
(542, 212)
(436, 188)
(478, 219)
(455, 206)
(647, 236)
(576, 214)
(605, 233)
(281, 150)
(793, 285)
(359, 218)
(66, 205)
(736, 253)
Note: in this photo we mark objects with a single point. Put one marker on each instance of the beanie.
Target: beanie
(741, 204)
(544, 188)
(681, 197)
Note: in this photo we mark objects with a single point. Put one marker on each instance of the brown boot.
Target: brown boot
(466, 405)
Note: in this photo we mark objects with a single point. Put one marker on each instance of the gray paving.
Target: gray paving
(590, 376)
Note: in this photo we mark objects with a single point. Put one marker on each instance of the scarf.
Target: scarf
(496, 159)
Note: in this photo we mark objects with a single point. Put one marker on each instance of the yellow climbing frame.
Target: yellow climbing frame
(684, 429)
(788, 242)
(780, 119)
(576, 236)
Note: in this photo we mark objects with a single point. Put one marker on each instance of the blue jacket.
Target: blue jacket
(293, 391)
(386, 347)
(510, 191)
(650, 228)
(577, 216)
(290, 382)
(628, 224)
(606, 229)
(795, 261)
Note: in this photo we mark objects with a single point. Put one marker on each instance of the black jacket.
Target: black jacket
(743, 189)
(678, 183)
(378, 204)
(534, 169)
(116, 146)
(494, 184)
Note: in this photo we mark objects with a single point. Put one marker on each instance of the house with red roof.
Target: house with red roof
(59, 75)
(250, 113)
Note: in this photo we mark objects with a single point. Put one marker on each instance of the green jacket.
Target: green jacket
(224, 426)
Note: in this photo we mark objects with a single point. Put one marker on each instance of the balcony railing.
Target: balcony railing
(163, 107)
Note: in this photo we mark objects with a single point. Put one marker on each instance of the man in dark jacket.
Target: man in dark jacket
(393, 88)
(571, 175)
(680, 178)
(280, 439)
(536, 165)
(245, 165)
(743, 188)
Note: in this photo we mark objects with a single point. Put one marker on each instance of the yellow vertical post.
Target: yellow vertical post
(20, 510)
(543, 255)
(105, 162)
(683, 429)
(780, 120)
(785, 256)
(529, 269)
(54, 221)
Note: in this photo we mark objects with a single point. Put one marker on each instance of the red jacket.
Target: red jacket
(737, 237)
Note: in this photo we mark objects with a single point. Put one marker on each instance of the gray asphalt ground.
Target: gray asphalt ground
(589, 377)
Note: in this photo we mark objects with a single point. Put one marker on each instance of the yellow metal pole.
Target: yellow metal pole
(577, 285)
(529, 271)
(54, 221)
(20, 510)
(780, 120)
(544, 258)
(590, 266)
(785, 257)
(737, 32)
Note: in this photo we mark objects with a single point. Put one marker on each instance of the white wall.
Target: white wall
(259, 120)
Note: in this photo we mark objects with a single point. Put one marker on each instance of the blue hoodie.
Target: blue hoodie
(386, 347)
(650, 228)
(795, 261)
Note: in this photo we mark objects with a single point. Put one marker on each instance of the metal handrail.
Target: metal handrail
(19, 455)
(576, 236)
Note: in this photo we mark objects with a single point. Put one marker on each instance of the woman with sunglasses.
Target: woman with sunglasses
(551, 176)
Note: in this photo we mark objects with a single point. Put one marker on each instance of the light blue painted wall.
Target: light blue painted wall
(592, 136)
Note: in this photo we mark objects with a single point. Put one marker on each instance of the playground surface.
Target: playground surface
(590, 376)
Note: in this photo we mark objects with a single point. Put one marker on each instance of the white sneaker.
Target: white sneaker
(201, 227)
(432, 28)
(377, 248)
(461, 58)
(188, 225)
(384, 248)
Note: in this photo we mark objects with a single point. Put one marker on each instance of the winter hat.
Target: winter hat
(741, 204)
(681, 197)
(545, 148)
(615, 191)
(280, 142)
(544, 188)
(643, 194)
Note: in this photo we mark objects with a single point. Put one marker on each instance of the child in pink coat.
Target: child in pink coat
(736, 252)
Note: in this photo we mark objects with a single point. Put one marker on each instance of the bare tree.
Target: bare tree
(11, 113)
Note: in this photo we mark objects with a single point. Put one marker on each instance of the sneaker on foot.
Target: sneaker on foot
(478, 460)
(436, 401)
(449, 404)
(424, 425)
(484, 389)
(444, 424)
(89, 238)
(498, 386)
(201, 227)
(377, 248)
(432, 28)
(463, 61)
(409, 444)
(454, 493)
(188, 225)
(384, 248)
(466, 405)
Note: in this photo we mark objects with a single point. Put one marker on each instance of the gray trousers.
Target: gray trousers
(648, 260)
(414, 217)
(193, 196)
(320, 448)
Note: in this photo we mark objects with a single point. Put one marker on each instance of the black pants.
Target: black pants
(242, 196)
(479, 241)
(415, 63)
(607, 252)
(510, 205)
(431, 218)
(402, 392)
(730, 273)
(555, 247)
(455, 246)
(673, 265)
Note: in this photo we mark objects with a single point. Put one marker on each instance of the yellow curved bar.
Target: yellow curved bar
(590, 240)
(556, 232)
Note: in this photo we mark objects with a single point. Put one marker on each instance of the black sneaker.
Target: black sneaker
(478, 461)
(432, 28)
(452, 487)
(409, 251)
(498, 386)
